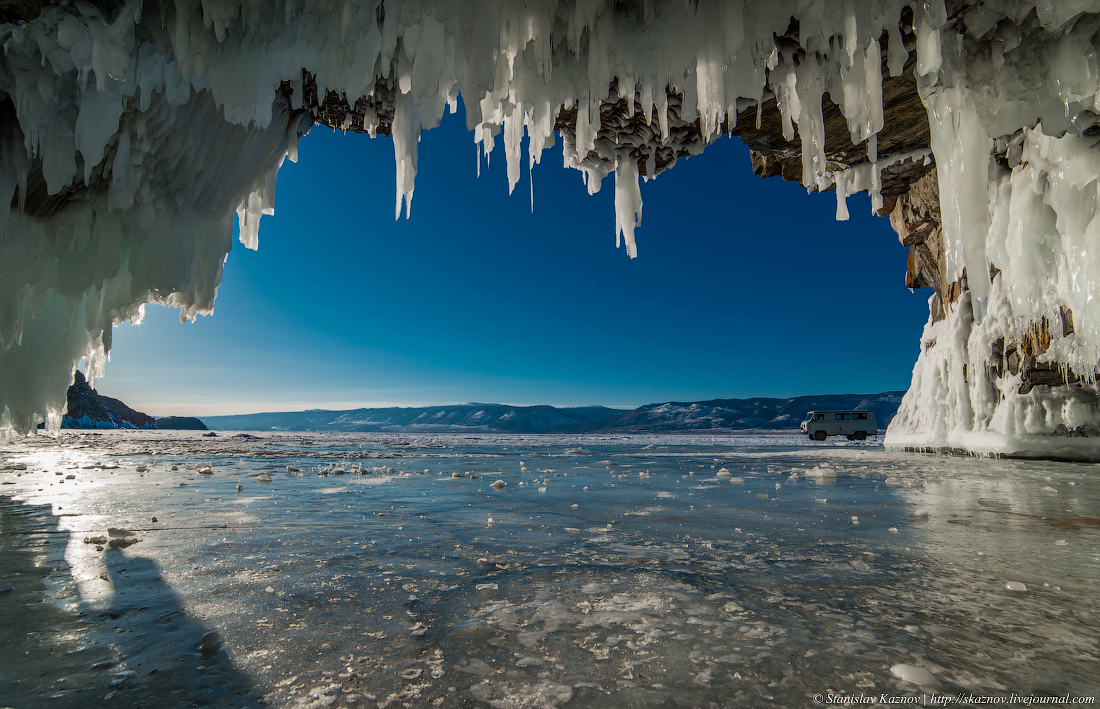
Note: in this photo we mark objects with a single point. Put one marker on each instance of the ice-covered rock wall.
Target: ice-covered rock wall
(118, 185)
(132, 132)
(1008, 360)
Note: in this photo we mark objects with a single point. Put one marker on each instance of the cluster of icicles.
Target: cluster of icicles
(150, 127)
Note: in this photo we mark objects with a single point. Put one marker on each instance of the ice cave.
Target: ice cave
(133, 133)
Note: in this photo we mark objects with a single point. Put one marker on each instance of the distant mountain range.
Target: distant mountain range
(715, 415)
(760, 413)
(460, 417)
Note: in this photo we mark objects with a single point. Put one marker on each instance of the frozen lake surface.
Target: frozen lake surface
(367, 570)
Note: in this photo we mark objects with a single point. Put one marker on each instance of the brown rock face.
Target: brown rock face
(372, 114)
(122, 412)
(916, 219)
(20, 10)
(916, 213)
(905, 129)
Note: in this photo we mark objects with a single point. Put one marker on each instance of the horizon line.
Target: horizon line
(621, 408)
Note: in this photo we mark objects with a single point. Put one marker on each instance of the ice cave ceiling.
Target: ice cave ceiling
(131, 133)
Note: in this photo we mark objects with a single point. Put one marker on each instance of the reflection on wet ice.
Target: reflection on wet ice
(536, 572)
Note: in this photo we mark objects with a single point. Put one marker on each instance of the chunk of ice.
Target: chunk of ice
(915, 675)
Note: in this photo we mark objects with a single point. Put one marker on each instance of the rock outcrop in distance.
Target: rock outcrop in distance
(180, 423)
(717, 415)
(88, 409)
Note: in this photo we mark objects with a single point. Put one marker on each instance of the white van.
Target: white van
(856, 425)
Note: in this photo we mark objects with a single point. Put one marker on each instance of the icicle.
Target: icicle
(897, 54)
(586, 131)
(628, 203)
(406, 140)
(876, 174)
(292, 144)
(841, 196)
(513, 145)
(930, 16)
(662, 115)
(811, 124)
(962, 149)
(96, 124)
(851, 31)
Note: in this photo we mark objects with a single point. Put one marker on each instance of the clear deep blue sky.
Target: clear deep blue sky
(742, 287)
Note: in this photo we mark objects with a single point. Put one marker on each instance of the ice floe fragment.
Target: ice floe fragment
(210, 641)
(915, 675)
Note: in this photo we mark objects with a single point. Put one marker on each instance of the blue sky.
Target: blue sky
(742, 287)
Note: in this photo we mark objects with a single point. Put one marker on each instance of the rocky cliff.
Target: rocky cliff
(88, 409)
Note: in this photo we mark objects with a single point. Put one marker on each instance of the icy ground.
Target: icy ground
(613, 572)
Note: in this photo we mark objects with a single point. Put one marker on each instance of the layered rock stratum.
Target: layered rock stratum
(133, 132)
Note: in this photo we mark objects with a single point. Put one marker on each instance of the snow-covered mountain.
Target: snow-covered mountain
(462, 417)
(717, 414)
(741, 414)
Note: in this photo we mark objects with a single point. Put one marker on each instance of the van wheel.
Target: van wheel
(861, 435)
(819, 435)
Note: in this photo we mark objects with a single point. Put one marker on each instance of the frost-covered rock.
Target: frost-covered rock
(86, 408)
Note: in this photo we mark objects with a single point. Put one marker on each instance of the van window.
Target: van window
(839, 417)
(819, 417)
(861, 417)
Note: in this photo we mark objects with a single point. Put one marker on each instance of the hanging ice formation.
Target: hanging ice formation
(132, 132)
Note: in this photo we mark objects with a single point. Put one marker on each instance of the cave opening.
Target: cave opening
(742, 287)
(133, 132)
